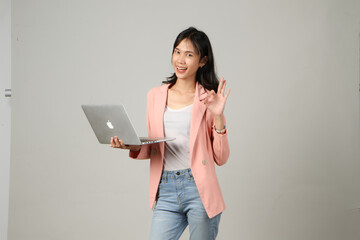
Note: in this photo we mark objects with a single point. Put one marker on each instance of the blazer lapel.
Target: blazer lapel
(197, 114)
(160, 103)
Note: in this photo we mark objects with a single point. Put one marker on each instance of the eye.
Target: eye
(176, 51)
(189, 55)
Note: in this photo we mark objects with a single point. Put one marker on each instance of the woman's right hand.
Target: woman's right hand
(118, 143)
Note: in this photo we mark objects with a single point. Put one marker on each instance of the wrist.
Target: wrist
(220, 131)
(219, 117)
(219, 123)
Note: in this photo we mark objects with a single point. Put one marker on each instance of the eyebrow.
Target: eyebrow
(185, 51)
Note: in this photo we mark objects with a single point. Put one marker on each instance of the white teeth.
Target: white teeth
(181, 68)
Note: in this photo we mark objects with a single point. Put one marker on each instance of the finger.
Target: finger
(205, 100)
(113, 144)
(223, 88)
(227, 93)
(212, 97)
(203, 93)
(117, 143)
(220, 84)
(211, 93)
(123, 146)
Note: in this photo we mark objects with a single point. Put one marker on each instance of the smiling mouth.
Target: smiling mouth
(181, 68)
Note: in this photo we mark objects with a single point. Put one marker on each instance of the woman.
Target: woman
(184, 189)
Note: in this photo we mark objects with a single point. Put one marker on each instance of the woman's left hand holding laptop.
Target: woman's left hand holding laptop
(118, 143)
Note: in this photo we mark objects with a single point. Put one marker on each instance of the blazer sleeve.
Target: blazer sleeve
(145, 150)
(220, 146)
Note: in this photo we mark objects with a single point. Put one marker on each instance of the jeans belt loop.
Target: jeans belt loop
(188, 174)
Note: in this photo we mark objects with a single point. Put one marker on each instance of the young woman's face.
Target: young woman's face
(186, 61)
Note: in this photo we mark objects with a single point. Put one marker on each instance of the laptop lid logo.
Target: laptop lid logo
(109, 124)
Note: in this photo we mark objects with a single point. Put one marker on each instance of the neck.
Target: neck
(185, 86)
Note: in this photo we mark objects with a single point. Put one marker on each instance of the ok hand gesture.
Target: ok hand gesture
(215, 102)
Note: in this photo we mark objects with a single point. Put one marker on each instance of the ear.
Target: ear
(203, 61)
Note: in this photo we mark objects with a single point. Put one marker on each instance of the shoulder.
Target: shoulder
(157, 90)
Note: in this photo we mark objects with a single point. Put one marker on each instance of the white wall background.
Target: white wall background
(5, 113)
(293, 114)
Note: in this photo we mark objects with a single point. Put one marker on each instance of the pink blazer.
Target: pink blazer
(207, 147)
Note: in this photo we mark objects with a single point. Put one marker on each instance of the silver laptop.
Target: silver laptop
(112, 120)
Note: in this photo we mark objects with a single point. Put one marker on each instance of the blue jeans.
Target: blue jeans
(179, 204)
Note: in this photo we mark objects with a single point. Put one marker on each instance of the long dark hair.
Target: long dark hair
(205, 75)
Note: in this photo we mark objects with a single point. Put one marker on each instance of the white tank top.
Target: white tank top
(177, 124)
